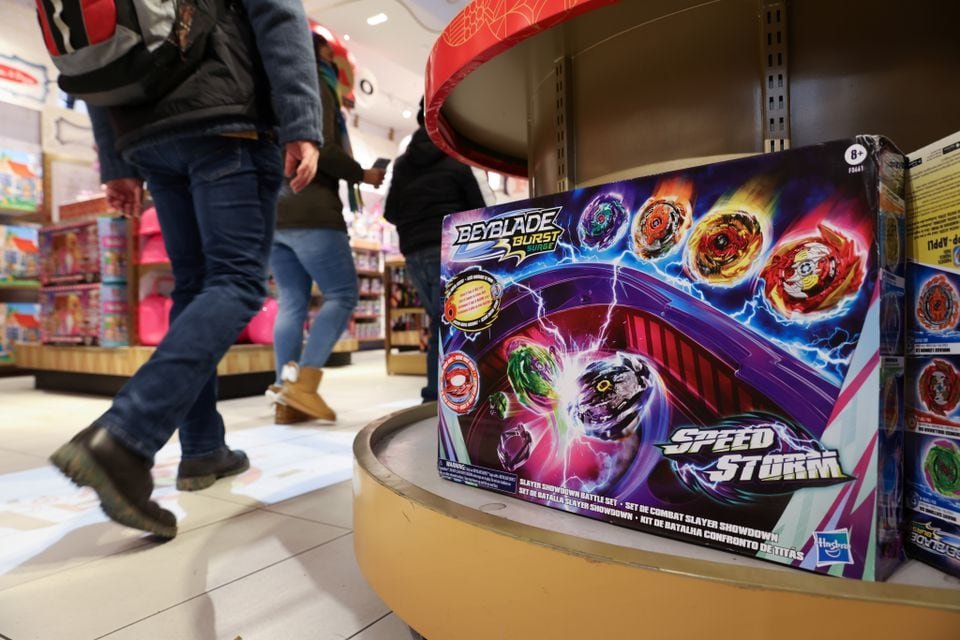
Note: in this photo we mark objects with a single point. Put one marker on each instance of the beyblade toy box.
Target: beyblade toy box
(713, 354)
(933, 355)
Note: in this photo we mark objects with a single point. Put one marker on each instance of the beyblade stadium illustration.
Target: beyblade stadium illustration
(938, 304)
(812, 275)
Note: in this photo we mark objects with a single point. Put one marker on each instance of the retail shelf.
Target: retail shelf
(371, 296)
(380, 339)
(154, 266)
(369, 273)
(124, 361)
(365, 245)
(398, 311)
(405, 338)
(366, 316)
(19, 285)
(540, 89)
(407, 521)
(346, 345)
(411, 363)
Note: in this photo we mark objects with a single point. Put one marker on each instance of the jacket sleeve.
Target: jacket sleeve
(283, 39)
(112, 164)
(333, 160)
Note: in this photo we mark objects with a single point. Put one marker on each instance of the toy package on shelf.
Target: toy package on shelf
(20, 253)
(712, 354)
(933, 355)
(85, 314)
(19, 322)
(87, 251)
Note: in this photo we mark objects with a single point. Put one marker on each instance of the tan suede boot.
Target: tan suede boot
(300, 392)
(288, 415)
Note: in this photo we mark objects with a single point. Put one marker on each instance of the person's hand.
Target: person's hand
(300, 163)
(125, 195)
(374, 176)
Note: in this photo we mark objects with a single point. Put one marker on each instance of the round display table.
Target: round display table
(458, 563)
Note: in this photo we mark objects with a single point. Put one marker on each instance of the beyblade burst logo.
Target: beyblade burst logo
(518, 234)
(749, 456)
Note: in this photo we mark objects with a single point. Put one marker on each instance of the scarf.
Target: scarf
(329, 76)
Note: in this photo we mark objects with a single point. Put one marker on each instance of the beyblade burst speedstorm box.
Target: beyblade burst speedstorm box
(713, 354)
(933, 355)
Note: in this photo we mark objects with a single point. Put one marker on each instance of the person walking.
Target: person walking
(311, 245)
(427, 185)
(210, 151)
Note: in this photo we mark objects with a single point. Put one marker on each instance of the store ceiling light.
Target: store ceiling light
(406, 114)
(346, 37)
(380, 18)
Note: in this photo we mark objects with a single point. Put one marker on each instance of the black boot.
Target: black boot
(121, 478)
(195, 474)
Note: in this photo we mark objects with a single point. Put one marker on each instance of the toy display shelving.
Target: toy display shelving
(541, 90)
(367, 323)
(405, 343)
(244, 370)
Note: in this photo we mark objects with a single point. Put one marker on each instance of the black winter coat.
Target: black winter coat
(427, 185)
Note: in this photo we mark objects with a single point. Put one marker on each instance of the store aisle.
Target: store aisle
(268, 554)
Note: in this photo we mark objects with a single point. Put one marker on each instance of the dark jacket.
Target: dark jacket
(427, 185)
(319, 206)
(229, 91)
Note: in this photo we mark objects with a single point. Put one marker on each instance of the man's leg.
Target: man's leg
(424, 269)
(233, 185)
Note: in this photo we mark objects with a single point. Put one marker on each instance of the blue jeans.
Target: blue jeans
(216, 199)
(423, 267)
(301, 257)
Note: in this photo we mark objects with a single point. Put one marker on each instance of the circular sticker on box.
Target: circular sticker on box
(459, 382)
(855, 154)
(472, 300)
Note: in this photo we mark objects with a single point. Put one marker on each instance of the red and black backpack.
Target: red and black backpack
(125, 52)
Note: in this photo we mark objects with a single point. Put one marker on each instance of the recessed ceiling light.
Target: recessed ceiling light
(380, 18)
(406, 114)
(346, 36)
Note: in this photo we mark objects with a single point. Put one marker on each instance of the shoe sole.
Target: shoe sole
(80, 467)
(198, 483)
(305, 409)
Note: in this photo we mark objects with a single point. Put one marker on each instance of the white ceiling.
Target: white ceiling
(392, 55)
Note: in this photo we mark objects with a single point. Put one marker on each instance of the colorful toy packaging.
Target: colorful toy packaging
(19, 322)
(85, 314)
(20, 253)
(933, 362)
(712, 354)
(89, 251)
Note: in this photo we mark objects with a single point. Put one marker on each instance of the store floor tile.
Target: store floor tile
(319, 594)
(387, 628)
(333, 505)
(100, 597)
(266, 554)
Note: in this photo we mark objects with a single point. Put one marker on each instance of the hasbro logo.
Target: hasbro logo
(833, 547)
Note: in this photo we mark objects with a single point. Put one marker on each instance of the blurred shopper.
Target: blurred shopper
(209, 148)
(427, 185)
(311, 245)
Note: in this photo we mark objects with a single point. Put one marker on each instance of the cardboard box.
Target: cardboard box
(19, 322)
(711, 354)
(89, 251)
(933, 358)
(20, 253)
(85, 314)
